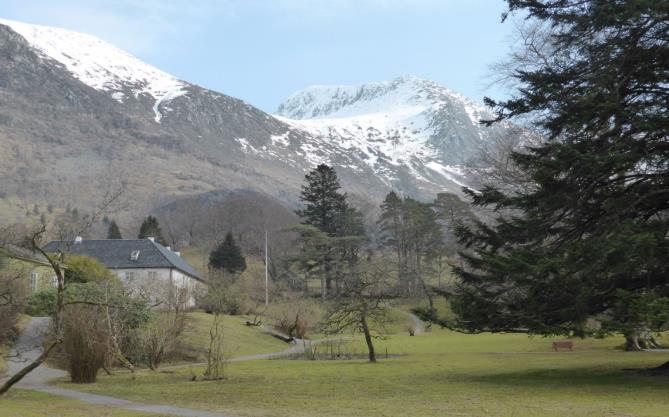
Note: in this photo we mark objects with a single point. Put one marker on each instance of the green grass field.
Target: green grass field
(23, 403)
(437, 374)
(239, 339)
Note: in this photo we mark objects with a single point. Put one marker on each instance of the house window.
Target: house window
(54, 280)
(129, 276)
(34, 277)
(153, 275)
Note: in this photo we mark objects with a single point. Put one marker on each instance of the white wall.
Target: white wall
(160, 288)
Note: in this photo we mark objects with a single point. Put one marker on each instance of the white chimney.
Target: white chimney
(151, 238)
(178, 253)
(78, 240)
(168, 248)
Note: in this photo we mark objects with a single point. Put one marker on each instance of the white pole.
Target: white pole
(266, 275)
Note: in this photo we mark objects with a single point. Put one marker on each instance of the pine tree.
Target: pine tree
(592, 231)
(151, 228)
(410, 228)
(228, 257)
(326, 208)
(324, 204)
(114, 232)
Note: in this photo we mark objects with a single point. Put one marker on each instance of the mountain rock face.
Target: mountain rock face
(78, 115)
(405, 130)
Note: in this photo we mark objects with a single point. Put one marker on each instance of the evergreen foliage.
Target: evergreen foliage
(411, 229)
(228, 257)
(326, 207)
(591, 233)
(341, 226)
(151, 228)
(114, 232)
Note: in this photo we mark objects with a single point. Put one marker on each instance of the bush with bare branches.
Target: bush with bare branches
(12, 298)
(86, 343)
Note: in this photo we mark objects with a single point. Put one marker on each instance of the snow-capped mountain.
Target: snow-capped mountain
(75, 109)
(407, 123)
(101, 65)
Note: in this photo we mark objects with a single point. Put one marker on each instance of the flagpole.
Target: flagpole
(266, 275)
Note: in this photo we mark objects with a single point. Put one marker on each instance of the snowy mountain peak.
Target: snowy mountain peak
(407, 124)
(101, 65)
(407, 93)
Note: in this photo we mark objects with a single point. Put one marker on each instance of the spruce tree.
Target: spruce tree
(591, 234)
(324, 204)
(228, 257)
(114, 232)
(151, 228)
(326, 208)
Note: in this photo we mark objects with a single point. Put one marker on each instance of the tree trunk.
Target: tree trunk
(25, 371)
(368, 338)
(639, 339)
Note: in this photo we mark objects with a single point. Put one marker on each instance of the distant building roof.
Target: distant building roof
(126, 253)
(24, 254)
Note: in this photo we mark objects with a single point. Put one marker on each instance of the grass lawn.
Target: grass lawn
(438, 374)
(23, 403)
(240, 340)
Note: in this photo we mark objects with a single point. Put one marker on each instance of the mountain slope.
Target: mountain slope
(77, 113)
(408, 122)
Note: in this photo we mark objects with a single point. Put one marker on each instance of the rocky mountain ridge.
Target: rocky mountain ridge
(76, 112)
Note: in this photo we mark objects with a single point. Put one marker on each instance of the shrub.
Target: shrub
(159, 338)
(83, 269)
(12, 297)
(41, 303)
(86, 343)
(295, 319)
(99, 322)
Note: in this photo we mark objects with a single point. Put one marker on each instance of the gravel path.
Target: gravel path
(29, 346)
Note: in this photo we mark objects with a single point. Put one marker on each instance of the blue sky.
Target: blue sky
(264, 50)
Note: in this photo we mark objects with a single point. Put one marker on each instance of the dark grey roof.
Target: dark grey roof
(115, 254)
(18, 252)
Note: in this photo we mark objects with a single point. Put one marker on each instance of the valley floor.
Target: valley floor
(433, 374)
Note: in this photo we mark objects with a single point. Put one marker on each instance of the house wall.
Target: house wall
(35, 276)
(160, 285)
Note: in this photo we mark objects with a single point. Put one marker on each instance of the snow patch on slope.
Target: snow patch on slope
(101, 65)
(389, 126)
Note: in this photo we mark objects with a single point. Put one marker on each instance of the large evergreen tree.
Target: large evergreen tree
(114, 232)
(228, 256)
(411, 229)
(590, 236)
(326, 208)
(325, 205)
(151, 228)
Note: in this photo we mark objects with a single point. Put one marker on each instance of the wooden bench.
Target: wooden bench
(565, 344)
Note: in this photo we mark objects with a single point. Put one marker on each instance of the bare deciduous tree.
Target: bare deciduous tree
(56, 262)
(361, 306)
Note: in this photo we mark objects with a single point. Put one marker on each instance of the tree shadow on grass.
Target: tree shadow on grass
(573, 378)
(609, 378)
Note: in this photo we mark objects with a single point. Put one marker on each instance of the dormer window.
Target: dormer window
(134, 255)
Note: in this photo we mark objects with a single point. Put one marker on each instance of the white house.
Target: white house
(143, 265)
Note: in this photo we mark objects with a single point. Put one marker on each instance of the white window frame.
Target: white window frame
(34, 277)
